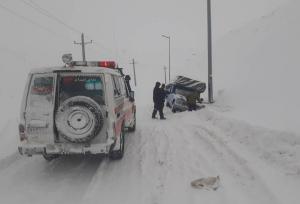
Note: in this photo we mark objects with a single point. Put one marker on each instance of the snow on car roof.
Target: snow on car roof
(188, 83)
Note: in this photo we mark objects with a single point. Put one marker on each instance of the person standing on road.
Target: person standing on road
(157, 101)
(127, 81)
(162, 98)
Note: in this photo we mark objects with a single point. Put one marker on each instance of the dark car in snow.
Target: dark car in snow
(180, 89)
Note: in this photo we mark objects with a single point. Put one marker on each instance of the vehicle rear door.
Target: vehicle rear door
(129, 107)
(119, 104)
(39, 109)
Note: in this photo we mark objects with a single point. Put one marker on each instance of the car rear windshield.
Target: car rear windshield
(41, 92)
(183, 92)
(81, 85)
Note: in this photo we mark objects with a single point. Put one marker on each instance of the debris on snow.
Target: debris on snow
(209, 183)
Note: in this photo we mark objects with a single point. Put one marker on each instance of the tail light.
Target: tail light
(22, 132)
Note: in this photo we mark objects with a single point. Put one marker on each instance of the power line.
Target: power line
(24, 18)
(28, 20)
(45, 12)
(48, 14)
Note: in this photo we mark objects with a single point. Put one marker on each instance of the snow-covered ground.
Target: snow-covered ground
(256, 165)
(249, 137)
(256, 70)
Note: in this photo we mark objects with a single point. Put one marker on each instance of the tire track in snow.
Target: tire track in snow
(34, 180)
(237, 165)
(120, 181)
(188, 163)
(183, 162)
(9, 160)
(154, 164)
(276, 148)
(252, 142)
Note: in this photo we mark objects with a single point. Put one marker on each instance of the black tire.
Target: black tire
(119, 153)
(132, 129)
(50, 157)
(79, 119)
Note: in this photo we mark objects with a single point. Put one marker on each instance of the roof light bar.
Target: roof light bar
(106, 64)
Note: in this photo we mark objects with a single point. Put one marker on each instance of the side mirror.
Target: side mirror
(131, 96)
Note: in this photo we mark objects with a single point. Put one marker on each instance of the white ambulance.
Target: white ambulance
(80, 108)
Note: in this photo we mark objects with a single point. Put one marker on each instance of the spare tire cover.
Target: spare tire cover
(79, 119)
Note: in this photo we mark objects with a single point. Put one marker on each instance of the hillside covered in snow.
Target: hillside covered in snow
(257, 70)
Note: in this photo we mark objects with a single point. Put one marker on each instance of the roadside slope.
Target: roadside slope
(256, 70)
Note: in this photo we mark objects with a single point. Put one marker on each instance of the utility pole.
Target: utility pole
(209, 40)
(133, 66)
(165, 70)
(169, 59)
(83, 46)
(169, 38)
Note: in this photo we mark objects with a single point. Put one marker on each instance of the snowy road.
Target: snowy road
(255, 165)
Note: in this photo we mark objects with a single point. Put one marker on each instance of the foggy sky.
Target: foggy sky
(121, 30)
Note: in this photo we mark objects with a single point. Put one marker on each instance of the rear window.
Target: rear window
(183, 92)
(42, 86)
(81, 85)
(41, 91)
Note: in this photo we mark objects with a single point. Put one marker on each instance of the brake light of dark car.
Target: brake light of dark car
(22, 132)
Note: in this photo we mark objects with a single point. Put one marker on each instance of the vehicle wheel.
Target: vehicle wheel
(132, 129)
(79, 119)
(119, 153)
(50, 157)
(174, 110)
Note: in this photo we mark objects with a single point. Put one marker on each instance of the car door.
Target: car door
(39, 108)
(119, 104)
(129, 108)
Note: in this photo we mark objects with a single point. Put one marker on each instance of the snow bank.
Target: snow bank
(256, 70)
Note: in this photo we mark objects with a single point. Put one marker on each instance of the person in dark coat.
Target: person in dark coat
(157, 100)
(162, 97)
(127, 81)
(163, 93)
